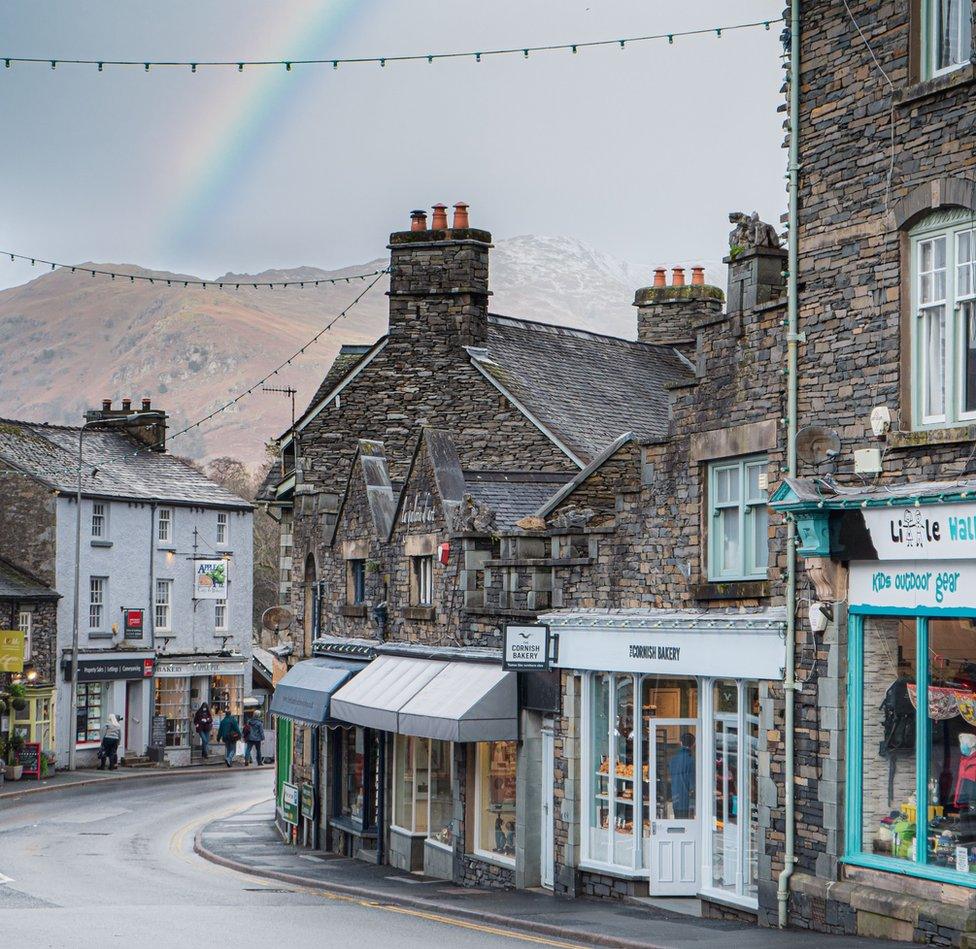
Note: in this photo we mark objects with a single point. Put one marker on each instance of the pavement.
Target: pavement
(88, 776)
(248, 842)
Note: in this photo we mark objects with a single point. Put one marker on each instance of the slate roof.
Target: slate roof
(585, 388)
(115, 466)
(17, 585)
(512, 495)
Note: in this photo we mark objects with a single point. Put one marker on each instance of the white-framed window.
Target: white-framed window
(163, 605)
(223, 529)
(738, 520)
(99, 520)
(164, 525)
(495, 768)
(220, 614)
(423, 797)
(25, 623)
(96, 602)
(421, 581)
(943, 288)
(946, 35)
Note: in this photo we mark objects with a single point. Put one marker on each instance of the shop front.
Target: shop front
(450, 718)
(109, 683)
(181, 685)
(668, 703)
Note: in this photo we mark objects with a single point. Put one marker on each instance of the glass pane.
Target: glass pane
(725, 824)
(759, 525)
(675, 772)
(933, 363)
(965, 248)
(731, 547)
(496, 821)
(421, 762)
(754, 489)
(939, 253)
(888, 735)
(441, 794)
(624, 787)
(951, 836)
(599, 824)
(353, 761)
(726, 485)
(953, 27)
(967, 316)
(749, 782)
(925, 259)
(404, 776)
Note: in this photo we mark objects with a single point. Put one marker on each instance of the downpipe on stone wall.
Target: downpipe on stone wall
(792, 339)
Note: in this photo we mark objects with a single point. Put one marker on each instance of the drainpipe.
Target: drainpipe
(792, 339)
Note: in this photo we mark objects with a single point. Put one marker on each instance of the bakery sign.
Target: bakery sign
(527, 647)
(927, 532)
(210, 579)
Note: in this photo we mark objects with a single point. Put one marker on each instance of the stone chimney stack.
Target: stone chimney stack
(439, 282)
(666, 315)
(148, 425)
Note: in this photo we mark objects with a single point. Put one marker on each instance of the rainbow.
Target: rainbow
(226, 145)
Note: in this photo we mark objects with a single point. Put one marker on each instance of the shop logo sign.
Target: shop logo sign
(210, 579)
(931, 532)
(527, 647)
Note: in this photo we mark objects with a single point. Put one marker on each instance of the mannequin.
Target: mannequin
(966, 781)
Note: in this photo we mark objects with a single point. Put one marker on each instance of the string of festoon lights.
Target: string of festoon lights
(476, 55)
(190, 281)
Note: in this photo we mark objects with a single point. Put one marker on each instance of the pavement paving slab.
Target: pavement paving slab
(255, 846)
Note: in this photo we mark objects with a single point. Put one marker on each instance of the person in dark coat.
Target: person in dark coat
(203, 723)
(681, 771)
(109, 751)
(229, 733)
(253, 736)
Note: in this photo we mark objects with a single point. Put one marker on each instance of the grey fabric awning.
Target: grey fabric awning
(449, 700)
(304, 693)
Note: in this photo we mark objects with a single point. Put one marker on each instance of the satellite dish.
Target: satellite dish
(816, 444)
(277, 618)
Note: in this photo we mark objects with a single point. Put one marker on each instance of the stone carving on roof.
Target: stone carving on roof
(474, 518)
(751, 232)
(574, 517)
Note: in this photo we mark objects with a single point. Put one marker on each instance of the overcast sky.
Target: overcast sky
(638, 152)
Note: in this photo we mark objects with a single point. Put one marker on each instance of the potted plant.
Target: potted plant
(14, 768)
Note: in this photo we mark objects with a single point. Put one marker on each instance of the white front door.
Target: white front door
(547, 857)
(675, 840)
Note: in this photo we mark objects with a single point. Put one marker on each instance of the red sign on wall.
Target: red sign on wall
(133, 623)
(148, 666)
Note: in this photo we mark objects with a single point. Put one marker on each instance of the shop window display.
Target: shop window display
(88, 712)
(172, 702)
(495, 828)
(423, 791)
(226, 694)
(440, 826)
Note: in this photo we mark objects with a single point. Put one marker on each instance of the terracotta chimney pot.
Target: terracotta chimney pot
(698, 276)
(439, 220)
(660, 280)
(106, 405)
(677, 276)
(418, 220)
(146, 405)
(127, 405)
(460, 216)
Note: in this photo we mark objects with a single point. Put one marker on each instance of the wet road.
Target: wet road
(114, 866)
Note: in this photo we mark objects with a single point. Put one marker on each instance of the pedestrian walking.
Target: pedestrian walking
(230, 734)
(253, 736)
(109, 750)
(203, 723)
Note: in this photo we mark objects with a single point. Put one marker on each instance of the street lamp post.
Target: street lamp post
(115, 421)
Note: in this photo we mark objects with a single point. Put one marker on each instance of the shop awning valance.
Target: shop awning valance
(449, 700)
(304, 694)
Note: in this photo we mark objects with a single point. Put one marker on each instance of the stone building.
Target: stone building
(159, 543)
(492, 470)
(29, 606)
(887, 200)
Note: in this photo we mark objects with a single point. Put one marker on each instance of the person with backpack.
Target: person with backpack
(203, 723)
(253, 736)
(230, 734)
(111, 736)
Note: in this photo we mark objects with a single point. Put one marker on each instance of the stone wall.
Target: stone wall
(27, 526)
(44, 633)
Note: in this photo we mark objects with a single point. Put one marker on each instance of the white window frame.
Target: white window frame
(163, 606)
(220, 615)
(949, 227)
(749, 565)
(422, 580)
(25, 623)
(97, 598)
(164, 525)
(99, 520)
(223, 528)
(930, 38)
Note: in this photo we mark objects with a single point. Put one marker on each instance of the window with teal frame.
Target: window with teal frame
(943, 293)
(738, 520)
(946, 35)
(911, 761)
